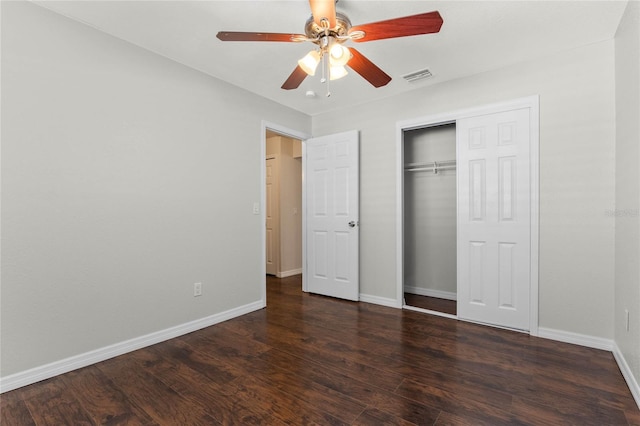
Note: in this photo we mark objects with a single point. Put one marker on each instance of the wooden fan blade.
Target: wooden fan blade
(425, 23)
(323, 9)
(242, 36)
(294, 80)
(367, 69)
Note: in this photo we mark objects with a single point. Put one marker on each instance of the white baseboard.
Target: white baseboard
(431, 293)
(576, 339)
(377, 300)
(627, 374)
(285, 274)
(43, 372)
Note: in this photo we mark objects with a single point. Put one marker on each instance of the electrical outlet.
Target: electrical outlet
(256, 208)
(626, 319)
(197, 289)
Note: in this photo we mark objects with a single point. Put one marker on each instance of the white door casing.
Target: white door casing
(272, 221)
(494, 218)
(331, 182)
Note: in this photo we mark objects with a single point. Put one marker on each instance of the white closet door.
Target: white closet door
(494, 219)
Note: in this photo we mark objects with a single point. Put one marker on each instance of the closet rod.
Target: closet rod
(430, 164)
(434, 166)
(435, 170)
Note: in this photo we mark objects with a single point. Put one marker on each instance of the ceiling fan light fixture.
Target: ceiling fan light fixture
(328, 30)
(310, 62)
(337, 72)
(339, 55)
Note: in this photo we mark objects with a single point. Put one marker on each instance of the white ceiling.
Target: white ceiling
(476, 36)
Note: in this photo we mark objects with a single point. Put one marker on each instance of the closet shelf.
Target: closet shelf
(434, 166)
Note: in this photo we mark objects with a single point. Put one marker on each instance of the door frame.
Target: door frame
(302, 137)
(531, 102)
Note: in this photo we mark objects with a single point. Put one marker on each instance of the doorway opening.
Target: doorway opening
(430, 218)
(269, 129)
(283, 205)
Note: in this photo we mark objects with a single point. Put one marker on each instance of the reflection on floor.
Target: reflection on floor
(431, 303)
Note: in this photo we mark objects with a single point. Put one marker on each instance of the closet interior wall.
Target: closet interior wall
(430, 212)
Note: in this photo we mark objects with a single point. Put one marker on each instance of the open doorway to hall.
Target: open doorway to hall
(283, 205)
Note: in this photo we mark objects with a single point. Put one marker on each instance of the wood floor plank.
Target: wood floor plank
(298, 382)
(266, 370)
(50, 403)
(633, 416)
(325, 350)
(106, 404)
(201, 363)
(375, 417)
(282, 405)
(13, 410)
(218, 399)
(270, 373)
(431, 303)
(566, 413)
(459, 403)
(448, 419)
(357, 387)
(157, 399)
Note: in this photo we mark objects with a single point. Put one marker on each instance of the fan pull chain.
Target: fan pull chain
(326, 72)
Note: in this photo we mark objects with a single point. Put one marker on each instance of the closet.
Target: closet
(468, 214)
(430, 218)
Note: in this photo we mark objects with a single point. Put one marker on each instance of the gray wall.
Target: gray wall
(126, 178)
(577, 177)
(627, 213)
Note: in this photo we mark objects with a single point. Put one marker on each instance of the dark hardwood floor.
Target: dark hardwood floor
(431, 303)
(315, 360)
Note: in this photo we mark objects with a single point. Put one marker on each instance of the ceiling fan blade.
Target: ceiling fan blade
(246, 36)
(424, 23)
(367, 69)
(323, 9)
(294, 80)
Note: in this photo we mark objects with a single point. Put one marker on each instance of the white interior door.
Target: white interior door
(332, 214)
(494, 218)
(272, 214)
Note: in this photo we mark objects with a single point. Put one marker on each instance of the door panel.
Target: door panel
(272, 216)
(331, 185)
(494, 219)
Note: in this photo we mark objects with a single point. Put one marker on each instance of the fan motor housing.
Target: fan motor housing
(315, 31)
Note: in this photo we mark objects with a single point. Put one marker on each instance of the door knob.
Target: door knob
(352, 224)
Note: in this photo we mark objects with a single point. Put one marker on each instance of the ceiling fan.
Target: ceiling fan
(329, 30)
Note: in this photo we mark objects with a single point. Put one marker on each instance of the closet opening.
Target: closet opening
(430, 219)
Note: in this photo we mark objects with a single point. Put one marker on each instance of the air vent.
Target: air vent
(418, 75)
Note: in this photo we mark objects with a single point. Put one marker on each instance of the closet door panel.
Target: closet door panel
(493, 207)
